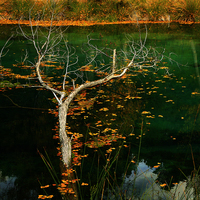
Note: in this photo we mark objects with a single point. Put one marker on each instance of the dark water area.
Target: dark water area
(171, 132)
(26, 128)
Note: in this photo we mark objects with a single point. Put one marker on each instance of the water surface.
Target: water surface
(170, 131)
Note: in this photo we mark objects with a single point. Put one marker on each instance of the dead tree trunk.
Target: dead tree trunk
(65, 141)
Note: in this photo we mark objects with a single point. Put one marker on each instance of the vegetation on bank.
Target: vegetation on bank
(103, 10)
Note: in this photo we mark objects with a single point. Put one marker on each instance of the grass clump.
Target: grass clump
(156, 9)
(186, 10)
(23, 9)
(94, 10)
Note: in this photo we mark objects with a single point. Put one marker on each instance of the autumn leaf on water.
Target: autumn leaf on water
(46, 186)
(103, 109)
(93, 134)
(100, 91)
(55, 137)
(84, 156)
(129, 97)
(86, 68)
(169, 101)
(109, 150)
(105, 130)
(120, 106)
(146, 112)
(45, 196)
(88, 104)
(195, 93)
(84, 184)
(149, 116)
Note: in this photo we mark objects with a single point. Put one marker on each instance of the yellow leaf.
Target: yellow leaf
(46, 186)
(83, 184)
(103, 109)
(146, 112)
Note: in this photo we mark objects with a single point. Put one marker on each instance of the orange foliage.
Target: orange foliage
(81, 23)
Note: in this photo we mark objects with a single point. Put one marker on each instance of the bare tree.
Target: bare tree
(52, 46)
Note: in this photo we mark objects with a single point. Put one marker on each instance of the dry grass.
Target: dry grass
(105, 10)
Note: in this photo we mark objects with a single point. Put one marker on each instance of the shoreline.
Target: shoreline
(85, 23)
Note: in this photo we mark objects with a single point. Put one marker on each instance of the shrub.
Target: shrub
(154, 9)
(186, 10)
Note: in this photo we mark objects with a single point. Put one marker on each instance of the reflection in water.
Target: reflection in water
(9, 189)
(142, 184)
(138, 182)
(6, 183)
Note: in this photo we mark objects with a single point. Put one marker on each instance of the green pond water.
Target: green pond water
(170, 130)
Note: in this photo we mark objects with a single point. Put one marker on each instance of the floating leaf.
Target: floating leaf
(84, 184)
(45, 196)
(195, 93)
(163, 185)
(146, 112)
(120, 106)
(104, 109)
(46, 186)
